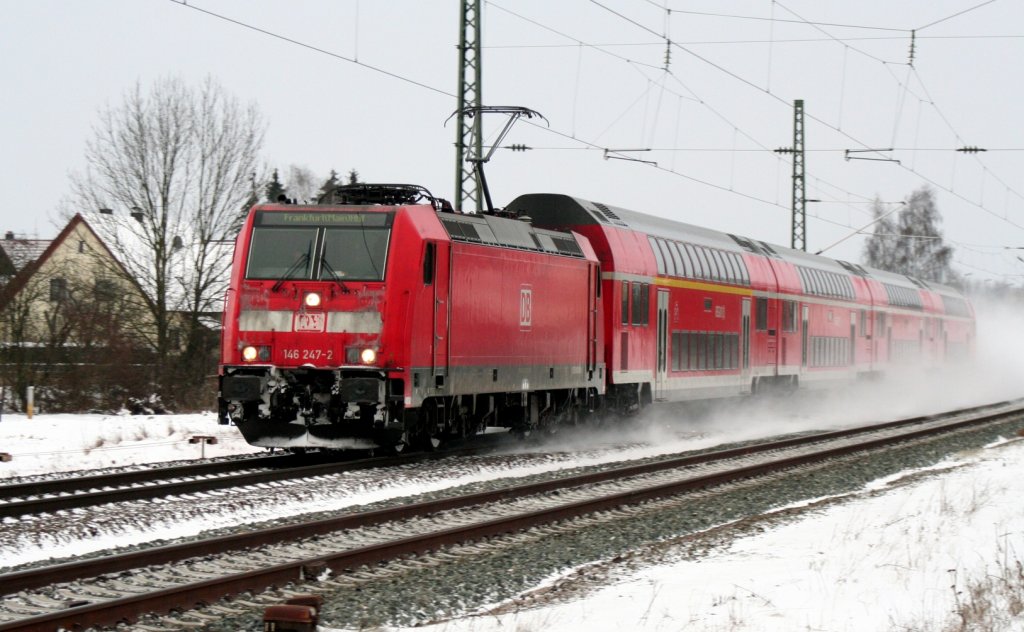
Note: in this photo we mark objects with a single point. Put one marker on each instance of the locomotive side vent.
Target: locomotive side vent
(461, 231)
(567, 246)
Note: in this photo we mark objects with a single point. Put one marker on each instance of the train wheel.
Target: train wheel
(401, 446)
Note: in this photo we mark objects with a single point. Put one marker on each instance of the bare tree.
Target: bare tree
(880, 247)
(913, 243)
(182, 160)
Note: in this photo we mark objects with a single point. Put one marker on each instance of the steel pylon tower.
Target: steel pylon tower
(798, 239)
(468, 138)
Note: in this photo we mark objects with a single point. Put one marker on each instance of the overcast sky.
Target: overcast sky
(596, 70)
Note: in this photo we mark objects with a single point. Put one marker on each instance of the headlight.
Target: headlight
(312, 299)
(368, 356)
(251, 353)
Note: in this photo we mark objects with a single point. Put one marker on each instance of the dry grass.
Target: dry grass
(992, 602)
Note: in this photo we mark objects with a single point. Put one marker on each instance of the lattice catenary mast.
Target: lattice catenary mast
(468, 135)
(798, 240)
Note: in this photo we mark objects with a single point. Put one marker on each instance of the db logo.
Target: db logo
(525, 307)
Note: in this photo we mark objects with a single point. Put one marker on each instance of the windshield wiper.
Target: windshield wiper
(334, 274)
(301, 261)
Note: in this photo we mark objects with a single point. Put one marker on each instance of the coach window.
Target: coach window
(625, 302)
(674, 253)
(709, 263)
(744, 275)
(658, 258)
(789, 316)
(639, 309)
(685, 258)
(670, 266)
(863, 323)
(731, 273)
(697, 271)
(761, 323)
(720, 266)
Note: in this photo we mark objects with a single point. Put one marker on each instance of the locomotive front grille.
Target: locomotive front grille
(359, 390)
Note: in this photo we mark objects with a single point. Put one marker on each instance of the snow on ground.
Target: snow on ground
(883, 561)
(53, 443)
(886, 560)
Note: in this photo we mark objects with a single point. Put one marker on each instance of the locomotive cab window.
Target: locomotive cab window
(281, 253)
(428, 263)
(354, 253)
(304, 245)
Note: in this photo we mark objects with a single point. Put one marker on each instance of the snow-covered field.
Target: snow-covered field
(51, 443)
(888, 559)
(900, 555)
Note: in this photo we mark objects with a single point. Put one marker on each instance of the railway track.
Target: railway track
(116, 588)
(45, 496)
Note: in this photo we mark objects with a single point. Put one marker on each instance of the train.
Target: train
(379, 318)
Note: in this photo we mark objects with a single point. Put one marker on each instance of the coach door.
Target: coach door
(804, 337)
(442, 311)
(661, 379)
(745, 337)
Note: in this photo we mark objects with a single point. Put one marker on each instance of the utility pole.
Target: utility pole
(468, 136)
(798, 238)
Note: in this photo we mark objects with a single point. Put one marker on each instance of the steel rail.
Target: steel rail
(74, 500)
(71, 484)
(186, 596)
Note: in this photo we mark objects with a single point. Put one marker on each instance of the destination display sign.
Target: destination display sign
(313, 218)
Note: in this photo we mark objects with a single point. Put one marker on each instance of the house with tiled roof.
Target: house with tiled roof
(18, 252)
(82, 305)
(69, 313)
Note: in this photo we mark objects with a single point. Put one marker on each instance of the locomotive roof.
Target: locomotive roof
(559, 210)
(508, 233)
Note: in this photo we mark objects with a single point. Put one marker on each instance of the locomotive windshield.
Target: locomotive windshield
(281, 253)
(319, 246)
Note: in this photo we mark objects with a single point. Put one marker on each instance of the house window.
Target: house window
(58, 289)
(104, 290)
(81, 246)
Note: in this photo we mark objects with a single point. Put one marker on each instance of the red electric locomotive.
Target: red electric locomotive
(377, 319)
(384, 319)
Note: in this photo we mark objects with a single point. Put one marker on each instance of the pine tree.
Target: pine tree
(328, 185)
(274, 190)
(353, 176)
